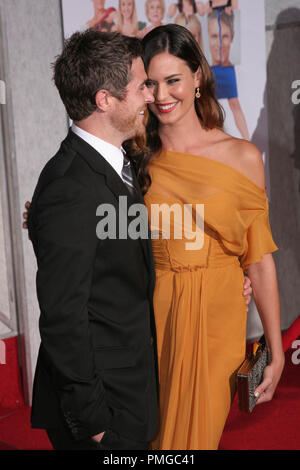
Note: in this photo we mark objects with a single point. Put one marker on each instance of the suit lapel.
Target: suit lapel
(115, 184)
(146, 242)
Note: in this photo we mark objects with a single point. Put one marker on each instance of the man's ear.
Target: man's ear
(102, 100)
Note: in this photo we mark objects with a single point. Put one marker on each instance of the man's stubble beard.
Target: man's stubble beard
(128, 126)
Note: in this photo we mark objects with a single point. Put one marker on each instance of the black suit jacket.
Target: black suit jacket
(97, 366)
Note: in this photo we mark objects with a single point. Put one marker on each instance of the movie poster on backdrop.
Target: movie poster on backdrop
(230, 32)
(232, 36)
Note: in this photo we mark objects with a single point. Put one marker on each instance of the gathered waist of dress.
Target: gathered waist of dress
(169, 256)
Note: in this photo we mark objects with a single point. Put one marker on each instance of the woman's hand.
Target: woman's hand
(265, 293)
(247, 290)
(272, 374)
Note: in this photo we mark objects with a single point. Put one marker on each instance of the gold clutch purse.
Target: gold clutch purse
(250, 375)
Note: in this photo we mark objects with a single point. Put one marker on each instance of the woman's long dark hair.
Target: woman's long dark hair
(178, 41)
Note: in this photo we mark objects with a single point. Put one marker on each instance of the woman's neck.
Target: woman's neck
(174, 136)
(127, 21)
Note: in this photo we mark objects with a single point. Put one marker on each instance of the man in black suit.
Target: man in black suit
(95, 383)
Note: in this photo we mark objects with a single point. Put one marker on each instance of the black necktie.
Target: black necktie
(127, 175)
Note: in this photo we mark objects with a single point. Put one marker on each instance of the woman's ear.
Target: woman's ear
(198, 77)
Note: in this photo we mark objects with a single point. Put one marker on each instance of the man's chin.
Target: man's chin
(139, 131)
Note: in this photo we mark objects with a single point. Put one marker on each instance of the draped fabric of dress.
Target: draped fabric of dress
(200, 310)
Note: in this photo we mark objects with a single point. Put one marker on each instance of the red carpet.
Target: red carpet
(15, 431)
(271, 426)
(11, 395)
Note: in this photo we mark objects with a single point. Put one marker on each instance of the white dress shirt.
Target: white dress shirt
(112, 154)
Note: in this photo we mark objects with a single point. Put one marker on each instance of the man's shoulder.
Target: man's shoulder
(64, 182)
(60, 163)
(65, 166)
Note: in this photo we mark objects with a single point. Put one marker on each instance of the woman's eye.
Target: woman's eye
(172, 80)
(149, 83)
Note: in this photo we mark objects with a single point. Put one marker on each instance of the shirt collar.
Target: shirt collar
(112, 154)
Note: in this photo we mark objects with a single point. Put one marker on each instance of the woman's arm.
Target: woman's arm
(264, 283)
(265, 293)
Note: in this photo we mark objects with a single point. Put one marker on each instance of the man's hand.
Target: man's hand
(25, 215)
(247, 291)
(98, 437)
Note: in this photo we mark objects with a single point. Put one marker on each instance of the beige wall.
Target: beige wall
(32, 38)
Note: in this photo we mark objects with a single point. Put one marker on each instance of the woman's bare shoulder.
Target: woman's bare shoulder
(246, 157)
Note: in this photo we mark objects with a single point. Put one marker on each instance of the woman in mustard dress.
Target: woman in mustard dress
(199, 308)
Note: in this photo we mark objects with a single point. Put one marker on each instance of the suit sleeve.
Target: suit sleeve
(64, 237)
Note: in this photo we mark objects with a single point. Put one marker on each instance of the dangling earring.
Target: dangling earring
(198, 94)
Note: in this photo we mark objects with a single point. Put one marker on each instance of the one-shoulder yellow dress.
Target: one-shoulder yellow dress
(200, 310)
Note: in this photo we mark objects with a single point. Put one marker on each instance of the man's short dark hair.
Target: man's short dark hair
(91, 61)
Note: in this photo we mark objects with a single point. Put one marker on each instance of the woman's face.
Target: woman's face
(173, 85)
(155, 13)
(187, 4)
(126, 8)
(219, 54)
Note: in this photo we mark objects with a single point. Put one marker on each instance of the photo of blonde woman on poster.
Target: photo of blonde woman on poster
(127, 22)
(155, 10)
